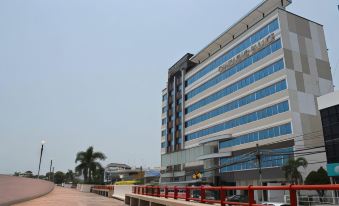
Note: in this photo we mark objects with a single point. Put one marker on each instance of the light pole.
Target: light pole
(50, 171)
(42, 149)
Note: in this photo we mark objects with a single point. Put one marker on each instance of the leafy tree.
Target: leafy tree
(98, 176)
(59, 177)
(49, 176)
(16, 174)
(318, 178)
(291, 169)
(88, 163)
(69, 176)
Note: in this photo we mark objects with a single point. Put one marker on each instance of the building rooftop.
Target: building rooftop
(117, 165)
(255, 15)
(328, 100)
(183, 63)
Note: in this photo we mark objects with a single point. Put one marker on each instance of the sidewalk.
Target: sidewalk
(17, 189)
(70, 197)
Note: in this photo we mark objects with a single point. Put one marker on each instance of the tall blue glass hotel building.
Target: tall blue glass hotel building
(249, 95)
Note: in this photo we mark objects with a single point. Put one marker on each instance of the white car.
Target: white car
(275, 204)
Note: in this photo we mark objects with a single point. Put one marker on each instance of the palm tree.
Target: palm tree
(88, 163)
(291, 169)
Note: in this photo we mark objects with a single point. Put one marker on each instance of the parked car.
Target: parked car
(275, 204)
(237, 198)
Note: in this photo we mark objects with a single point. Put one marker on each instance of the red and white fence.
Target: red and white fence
(185, 193)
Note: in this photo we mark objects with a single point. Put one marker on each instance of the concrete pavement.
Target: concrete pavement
(18, 189)
(70, 197)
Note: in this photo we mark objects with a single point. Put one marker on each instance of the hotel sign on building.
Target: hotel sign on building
(248, 52)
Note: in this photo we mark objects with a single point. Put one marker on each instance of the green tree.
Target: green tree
(16, 174)
(59, 177)
(88, 163)
(49, 176)
(291, 169)
(98, 176)
(318, 178)
(69, 176)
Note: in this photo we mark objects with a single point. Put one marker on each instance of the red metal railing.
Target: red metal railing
(185, 192)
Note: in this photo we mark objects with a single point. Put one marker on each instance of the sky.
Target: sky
(86, 73)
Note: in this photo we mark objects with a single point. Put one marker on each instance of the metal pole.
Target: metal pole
(42, 149)
(53, 174)
(258, 155)
(50, 170)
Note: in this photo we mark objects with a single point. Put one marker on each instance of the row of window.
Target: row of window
(250, 162)
(254, 116)
(259, 135)
(164, 97)
(163, 121)
(277, 87)
(235, 69)
(271, 27)
(237, 85)
(163, 133)
(163, 145)
(164, 109)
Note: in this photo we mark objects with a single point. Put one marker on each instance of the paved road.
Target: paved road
(70, 197)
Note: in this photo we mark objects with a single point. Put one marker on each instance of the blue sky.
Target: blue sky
(80, 73)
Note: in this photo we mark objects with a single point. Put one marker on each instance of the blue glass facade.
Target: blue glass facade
(259, 135)
(267, 91)
(237, 85)
(246, 162)
(271, 27)
(235, 69)
(254, 116)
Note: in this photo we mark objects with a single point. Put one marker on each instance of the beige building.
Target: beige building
(249, 95)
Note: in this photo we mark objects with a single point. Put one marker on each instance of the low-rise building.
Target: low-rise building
(329, 109)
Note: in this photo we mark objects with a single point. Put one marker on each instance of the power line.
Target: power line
(253, 158)
(295, 153)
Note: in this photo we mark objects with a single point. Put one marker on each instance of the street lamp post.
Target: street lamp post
(42, 149)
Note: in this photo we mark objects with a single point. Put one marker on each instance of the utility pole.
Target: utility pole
(50, 170)
(258, 156)
(53, 174)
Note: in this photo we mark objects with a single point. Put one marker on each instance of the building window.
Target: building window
(277, 87)
(256, 136)
(163, 133)
(163, 121)
(258, 115)
(254, 38)
(164, 97)
(277, 66)
(330, 122)
(246, 162)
